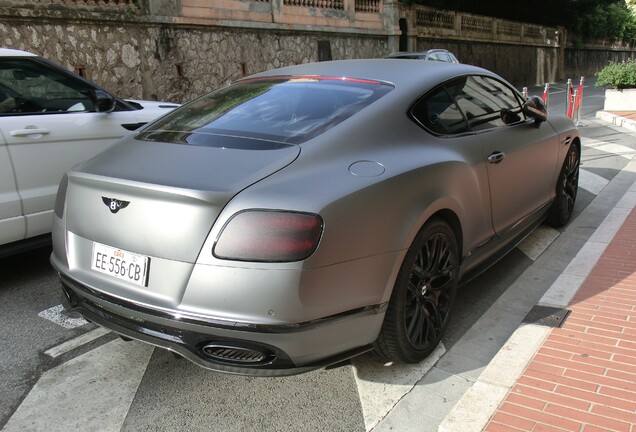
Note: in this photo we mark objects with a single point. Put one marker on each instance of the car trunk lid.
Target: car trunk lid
(160, 199)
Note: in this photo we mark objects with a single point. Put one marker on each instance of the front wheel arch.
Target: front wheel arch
(453, 221)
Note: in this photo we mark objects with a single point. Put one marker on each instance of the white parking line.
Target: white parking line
(381, 387)
(77, 342)
(538, 241)
(56, 316)
(591, 182)
(606, 147)
(92, 392)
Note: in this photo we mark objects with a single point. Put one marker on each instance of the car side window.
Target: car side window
(488, 103)
(31, 87)
(439, 113)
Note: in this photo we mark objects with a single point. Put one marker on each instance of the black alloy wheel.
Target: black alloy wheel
(566, 189)
(423, 296)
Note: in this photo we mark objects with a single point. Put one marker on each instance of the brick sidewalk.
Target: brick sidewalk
(583, 378)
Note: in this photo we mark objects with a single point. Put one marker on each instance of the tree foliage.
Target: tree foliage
(588, 19)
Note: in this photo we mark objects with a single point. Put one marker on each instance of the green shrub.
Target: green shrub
(617, 75)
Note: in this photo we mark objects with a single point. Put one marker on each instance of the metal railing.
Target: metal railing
(372, 6)
(477, 24)
(430, 21)
(435, 18)
(319, 4)
(508, 28)
(534, 31)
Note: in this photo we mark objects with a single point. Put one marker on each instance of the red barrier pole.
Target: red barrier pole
(546, 94)
(569, 106)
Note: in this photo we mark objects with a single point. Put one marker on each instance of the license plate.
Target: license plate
(121, 264)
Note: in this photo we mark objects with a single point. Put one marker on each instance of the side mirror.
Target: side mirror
(508, 116)
(104, 102)
(536, 109)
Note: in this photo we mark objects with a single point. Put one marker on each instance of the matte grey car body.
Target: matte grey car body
(258, 239)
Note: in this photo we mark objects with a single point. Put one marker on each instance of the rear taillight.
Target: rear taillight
(269, 236)
(61, 197)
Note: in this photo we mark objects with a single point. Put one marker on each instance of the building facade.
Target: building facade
(179, 49)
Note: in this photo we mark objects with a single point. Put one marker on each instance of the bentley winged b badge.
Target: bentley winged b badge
(114, 204)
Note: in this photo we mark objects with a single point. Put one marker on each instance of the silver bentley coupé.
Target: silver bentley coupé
(302, 216)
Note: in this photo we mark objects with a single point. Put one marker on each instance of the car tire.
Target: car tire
(423, 296)
(566, 189)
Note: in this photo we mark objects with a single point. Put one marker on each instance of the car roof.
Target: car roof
(400, 72)
(9, 52)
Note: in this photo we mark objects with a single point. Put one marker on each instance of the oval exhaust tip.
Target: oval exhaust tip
(234, 354)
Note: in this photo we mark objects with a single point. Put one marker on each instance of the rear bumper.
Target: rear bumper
(231, 347)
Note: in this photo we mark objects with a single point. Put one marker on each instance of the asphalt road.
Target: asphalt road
(130, 387)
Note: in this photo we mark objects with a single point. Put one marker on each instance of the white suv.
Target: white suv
(50, 120)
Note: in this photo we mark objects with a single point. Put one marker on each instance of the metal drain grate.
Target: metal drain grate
(547, 316)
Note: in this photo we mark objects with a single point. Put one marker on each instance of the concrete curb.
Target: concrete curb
(475, 408)
(617, 120)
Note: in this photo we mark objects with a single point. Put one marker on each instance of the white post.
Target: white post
(579, 103)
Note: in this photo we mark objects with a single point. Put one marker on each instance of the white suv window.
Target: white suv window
(27, 87)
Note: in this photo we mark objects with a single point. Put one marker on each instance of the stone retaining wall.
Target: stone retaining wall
(171, 62)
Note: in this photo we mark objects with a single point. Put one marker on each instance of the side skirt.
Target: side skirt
(487, 255)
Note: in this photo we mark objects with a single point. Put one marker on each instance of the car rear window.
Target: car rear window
(287, 109)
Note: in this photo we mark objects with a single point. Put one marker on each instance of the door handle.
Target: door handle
(496, 157)
(27, 132)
